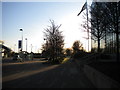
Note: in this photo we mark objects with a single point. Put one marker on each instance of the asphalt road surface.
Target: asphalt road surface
(35, 74)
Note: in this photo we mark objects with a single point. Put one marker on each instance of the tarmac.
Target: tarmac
(35, 74)
(38, 75)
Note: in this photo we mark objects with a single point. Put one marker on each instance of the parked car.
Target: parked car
(15, 57)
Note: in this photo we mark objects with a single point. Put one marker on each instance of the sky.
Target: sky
(33, 18)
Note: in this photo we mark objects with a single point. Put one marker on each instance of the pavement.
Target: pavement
(110, 68)
(34, 74)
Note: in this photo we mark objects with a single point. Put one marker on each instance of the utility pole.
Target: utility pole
(83, 8)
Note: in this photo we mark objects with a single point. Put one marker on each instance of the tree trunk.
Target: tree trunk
(117, 34)
(98, 44)
(105, 41)
(117, 41)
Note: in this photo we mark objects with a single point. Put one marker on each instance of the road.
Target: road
(34, 74)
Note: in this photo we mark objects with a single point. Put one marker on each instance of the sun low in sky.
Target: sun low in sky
(33, 18)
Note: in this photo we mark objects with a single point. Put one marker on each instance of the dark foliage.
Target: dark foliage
(53, 48)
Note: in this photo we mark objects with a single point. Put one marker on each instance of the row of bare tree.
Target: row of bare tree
(104, 19)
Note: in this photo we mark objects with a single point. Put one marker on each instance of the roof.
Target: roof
(5, 47)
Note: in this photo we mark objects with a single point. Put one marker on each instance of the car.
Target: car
(15, 57)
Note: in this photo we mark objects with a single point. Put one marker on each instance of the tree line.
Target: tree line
(104, 21)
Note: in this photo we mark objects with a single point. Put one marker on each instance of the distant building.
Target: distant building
(6, 52)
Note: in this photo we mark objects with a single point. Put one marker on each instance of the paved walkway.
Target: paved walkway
(38, 75)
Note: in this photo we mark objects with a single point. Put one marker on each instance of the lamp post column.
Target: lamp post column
(22, 39)
(26, 44)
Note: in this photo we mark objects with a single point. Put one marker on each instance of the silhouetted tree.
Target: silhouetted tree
(78, 51)
(105, 21)
(98, 22)
(113, 9)
(45, 49)
(77, 45)
(54, 43)
(68, 52)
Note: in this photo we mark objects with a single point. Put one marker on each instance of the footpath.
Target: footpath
(102, 77)
(102, 73)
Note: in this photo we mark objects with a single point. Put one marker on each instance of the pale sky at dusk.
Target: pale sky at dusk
(33, 18)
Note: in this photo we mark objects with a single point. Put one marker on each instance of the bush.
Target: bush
(79, 54)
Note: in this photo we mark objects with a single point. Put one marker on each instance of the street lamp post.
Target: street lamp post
(22, 39)
(31, 47)
(26, 44)
(14, 47)
(45, 44)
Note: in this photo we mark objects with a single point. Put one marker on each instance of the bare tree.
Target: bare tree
(97, 22)
(113, 9)
(68, 52)
(77, 45)
(105, 20)
(78, 51)
(54, 43)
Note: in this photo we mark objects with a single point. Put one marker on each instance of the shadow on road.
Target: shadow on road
(45, 76)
